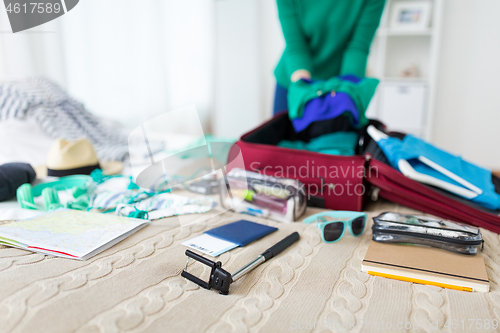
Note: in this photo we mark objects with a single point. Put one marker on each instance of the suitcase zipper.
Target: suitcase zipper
(374, 193)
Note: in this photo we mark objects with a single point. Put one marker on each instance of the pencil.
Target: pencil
(407, 279)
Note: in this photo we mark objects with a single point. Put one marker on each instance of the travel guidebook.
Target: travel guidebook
(69, 233)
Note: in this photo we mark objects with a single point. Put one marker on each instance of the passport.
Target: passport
(241, 232)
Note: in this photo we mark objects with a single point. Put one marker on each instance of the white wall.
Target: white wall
(273, 44)
(249, 44)
(37, 52)
(237, 75)
(467, 118)
(128, 60)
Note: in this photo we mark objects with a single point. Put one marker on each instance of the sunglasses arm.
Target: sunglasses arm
(333, 214)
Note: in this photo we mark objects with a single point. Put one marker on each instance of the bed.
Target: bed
(136, 286)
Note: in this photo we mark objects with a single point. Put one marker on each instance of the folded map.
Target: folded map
(69, 233)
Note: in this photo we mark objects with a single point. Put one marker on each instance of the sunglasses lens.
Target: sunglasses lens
(333, 231)
(358, 225)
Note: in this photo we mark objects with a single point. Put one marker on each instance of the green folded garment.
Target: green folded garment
(338, 143)
(361, 93)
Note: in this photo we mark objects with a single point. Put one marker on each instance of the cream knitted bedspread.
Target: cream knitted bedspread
(136, 286)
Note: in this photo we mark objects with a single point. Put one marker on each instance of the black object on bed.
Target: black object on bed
(13, 175)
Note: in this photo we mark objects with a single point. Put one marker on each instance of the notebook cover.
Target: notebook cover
(432, 263)
(241, 232)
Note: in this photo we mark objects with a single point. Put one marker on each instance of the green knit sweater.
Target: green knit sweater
(326, 37)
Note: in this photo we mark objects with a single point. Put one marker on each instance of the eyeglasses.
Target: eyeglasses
(333, 230)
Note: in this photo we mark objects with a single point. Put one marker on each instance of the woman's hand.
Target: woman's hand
(300, 74)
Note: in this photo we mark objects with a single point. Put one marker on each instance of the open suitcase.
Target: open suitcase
(346, 182)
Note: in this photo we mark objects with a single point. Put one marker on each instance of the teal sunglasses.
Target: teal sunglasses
(333, 229)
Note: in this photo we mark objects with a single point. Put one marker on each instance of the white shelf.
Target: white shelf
(404, 79)
(391, 32)
(406, 103)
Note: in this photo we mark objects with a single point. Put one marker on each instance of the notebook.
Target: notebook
(69, 233)
(426, 265)
(216, 241)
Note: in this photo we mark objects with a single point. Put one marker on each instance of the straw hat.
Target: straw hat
(74, 158)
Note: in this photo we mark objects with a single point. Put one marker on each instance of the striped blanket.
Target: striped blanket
(59, 115)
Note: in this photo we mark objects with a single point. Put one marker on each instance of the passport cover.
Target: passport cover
(241, 232)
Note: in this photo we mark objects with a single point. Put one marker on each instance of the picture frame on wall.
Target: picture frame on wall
(410, 15)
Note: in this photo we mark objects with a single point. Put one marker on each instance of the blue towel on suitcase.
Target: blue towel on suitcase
(410, 148)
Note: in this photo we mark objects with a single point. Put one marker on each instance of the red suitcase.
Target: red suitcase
(344, 182)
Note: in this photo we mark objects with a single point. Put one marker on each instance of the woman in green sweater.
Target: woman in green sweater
(324, 38)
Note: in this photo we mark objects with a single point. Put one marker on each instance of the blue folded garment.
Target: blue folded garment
(325, 107)
(311, 101)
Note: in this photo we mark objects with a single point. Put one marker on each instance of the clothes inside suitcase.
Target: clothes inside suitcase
(331, 181)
